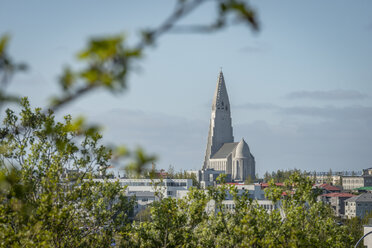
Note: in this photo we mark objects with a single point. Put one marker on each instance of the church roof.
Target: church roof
(220, 99)
(225, 150)
(242, 150)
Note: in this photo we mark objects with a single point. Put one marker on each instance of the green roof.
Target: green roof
(364, 188)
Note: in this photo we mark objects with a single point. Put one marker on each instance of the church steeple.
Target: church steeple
(220, 99)
(220, 129)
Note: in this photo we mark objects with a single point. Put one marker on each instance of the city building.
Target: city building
(358, 206)
(229, 205)
(147, 191)
(367, 172)
(354, 182)
(337, 201)
(327, 188)
(332, 179)
(255, 192)
(364, 189)
(208, 177)
(222, 153)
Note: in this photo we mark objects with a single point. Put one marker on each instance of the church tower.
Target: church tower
(220, 129)
(223, 155)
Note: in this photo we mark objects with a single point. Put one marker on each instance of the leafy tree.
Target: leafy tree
(281, 175)
(203, 220)
(170, 171)
(306, 222)
(249, 180)
(42, 203)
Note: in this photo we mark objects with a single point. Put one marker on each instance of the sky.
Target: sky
(300, 89)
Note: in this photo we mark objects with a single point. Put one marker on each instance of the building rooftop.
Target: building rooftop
(329, 187)
(265, 185)
(364, 188)
(337, 194)
(142, 193)
(242, 150)
(365, 197)
(225, 150)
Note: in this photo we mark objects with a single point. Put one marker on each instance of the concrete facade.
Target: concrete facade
(222, 153)
(146, 191)
(353, 182)
(358, 206)
(337, 201)
(229, 205)
(334, 179)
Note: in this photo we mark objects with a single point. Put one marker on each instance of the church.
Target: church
(223, 155)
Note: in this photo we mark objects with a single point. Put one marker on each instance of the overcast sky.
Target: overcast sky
(300, 88)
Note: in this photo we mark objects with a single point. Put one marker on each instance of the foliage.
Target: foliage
(281, 175)
(203, 220)
(42, 203)
(7, 69)
(249, 180)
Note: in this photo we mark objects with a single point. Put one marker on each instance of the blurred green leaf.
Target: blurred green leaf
(4, 40)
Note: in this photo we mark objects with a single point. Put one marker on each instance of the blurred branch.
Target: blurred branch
(7, 70)
(110, 60)
(69, 98)
(182, 9)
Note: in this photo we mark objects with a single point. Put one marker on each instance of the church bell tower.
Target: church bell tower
(220, 129)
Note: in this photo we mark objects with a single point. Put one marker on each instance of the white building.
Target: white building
(255, 191)
(167, 187)
(222, 153)
(354, 182)
(333, 179)
(337, 201)
(147, 191)
(358, 206)
(229, 205)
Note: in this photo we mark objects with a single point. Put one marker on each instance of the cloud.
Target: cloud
(328, 95)
(257, 106)
(309, 138)
(308, 146)
(258, 47)
(348, 113)
(175, 140)
(328, 112)
(339, 139)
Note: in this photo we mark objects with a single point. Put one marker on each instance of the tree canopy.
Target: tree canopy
(48, 196)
